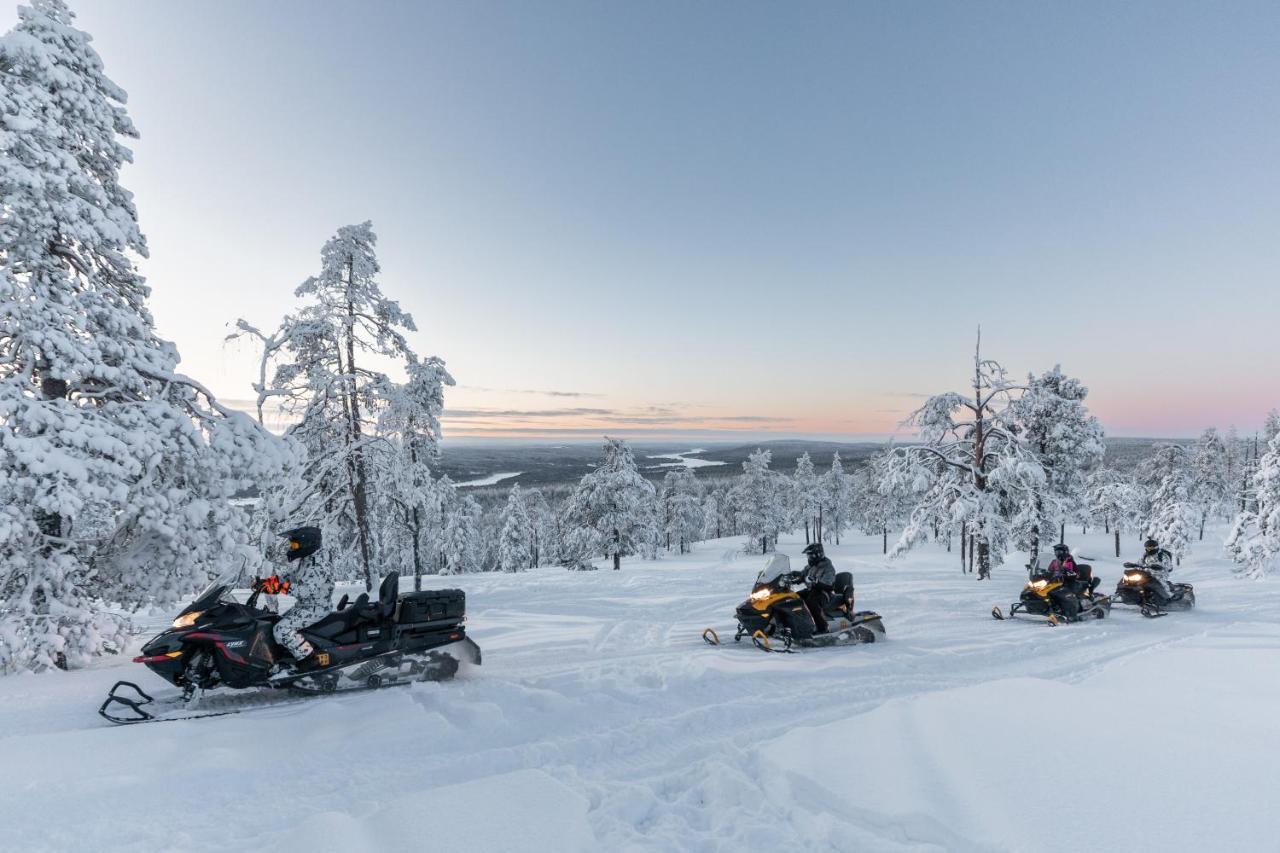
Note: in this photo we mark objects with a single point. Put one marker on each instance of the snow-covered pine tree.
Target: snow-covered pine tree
(805, 497)
(514, 553)
(1114, 498)
(1171, 516)
(460, 544)
(971, 467)
(1210, 476)
(759, 496)
(711, 515)
(115, 470)
(682, 510)
(322, 375)
(1254, 541)
(1066, 440)
(1271, 426)
(405, 495)
(612, 502)
(544, 539)
(835, 501)
(880, 501)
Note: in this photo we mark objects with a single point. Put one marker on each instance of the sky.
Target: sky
(715, 220)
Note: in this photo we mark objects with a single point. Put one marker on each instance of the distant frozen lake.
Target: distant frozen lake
(683, 460)
(492, 479)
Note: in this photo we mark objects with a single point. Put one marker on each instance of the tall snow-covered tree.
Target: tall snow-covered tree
(514, 552)
(806, 497)
(544, 544)
(1271, 426)
(759, 495)
(1254, 541)
(115, 470)
(1171, 515)
(711, 515)
(323, 375)
(1114, 498)
(1066, 440)
(405, 494)
(613, 503)
(682, 509)
(461, 548)
(881, 501)
(1210, 476)
(971, 467)
(835, 502)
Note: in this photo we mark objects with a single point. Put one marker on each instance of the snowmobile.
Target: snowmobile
(218, 642)
(1138, 587)
(1037, 601)
(776, 618)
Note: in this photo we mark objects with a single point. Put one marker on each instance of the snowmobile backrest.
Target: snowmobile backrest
(844, 582)
(388, 592)
(342, 602)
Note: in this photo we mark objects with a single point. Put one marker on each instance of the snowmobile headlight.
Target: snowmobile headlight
(186, 620)
(1039, 585)
(1133, 577)
(760, 594)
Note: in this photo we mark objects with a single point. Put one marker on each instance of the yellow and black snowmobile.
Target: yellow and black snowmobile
(776, 618)
(1042, 597)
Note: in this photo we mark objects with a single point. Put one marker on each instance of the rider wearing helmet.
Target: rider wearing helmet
(1063, 568)
(820, 575)
(1159, 563)
(311, 583)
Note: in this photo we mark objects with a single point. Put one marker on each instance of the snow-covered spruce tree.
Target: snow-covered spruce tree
(805, 497)
(760, 499)
(1114, 499)
(835, 501)
(1271, 426)
(115, 470)
(543, 534)
(682, 509)
(514, 552)
(322, 357)
(1066, 440)
(1210, 476)
(711, 515)
(461, 547)
(1254, 541)
(880, 501)
(405, 496)
(971, 466)
(1171, 516)
(610, 508)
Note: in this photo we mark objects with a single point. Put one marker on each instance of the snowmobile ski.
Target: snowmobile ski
(710, 637)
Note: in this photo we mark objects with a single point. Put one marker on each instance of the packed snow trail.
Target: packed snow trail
(601, 721)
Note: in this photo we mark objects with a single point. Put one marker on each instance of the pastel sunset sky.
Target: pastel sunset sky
(728, 219)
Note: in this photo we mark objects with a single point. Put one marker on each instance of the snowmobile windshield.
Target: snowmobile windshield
(221, 585)
(778, 565)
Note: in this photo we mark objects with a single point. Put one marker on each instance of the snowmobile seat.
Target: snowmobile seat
(343, 619)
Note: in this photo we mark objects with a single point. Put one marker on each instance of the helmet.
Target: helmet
(1061, 550)
(1150, 545)
(303, 542)
(814, 552)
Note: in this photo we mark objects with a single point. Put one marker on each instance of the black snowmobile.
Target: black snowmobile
(776, 617)
(1039, 602)
(1138, 587)
(219, 642)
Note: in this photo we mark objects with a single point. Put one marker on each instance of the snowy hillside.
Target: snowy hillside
(600, 721)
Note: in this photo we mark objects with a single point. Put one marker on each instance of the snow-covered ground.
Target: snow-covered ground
(600, 721)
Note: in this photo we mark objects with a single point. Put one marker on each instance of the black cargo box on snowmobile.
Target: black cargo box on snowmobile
(438, 606)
